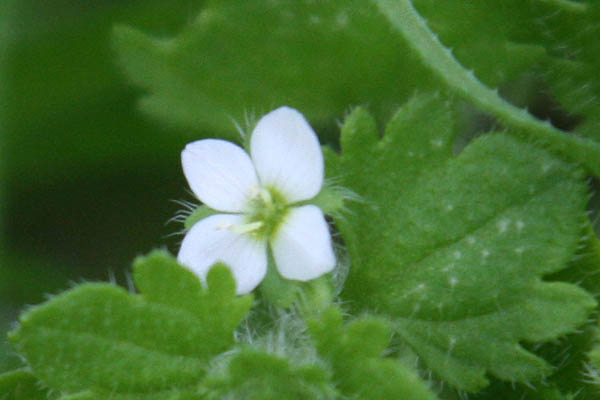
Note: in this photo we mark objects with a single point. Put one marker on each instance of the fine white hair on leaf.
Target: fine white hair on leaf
(130, 282)
(241, 132)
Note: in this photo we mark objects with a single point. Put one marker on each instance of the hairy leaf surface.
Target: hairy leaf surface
(455, 247)
(355, 350)
(256, 375)
(100, 338)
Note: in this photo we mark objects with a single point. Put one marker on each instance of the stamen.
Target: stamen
(266, 197)
(246, 228)
(222, 227)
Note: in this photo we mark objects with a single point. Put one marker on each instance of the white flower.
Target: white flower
(258, 198)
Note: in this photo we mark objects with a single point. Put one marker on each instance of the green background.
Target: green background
(86, 179)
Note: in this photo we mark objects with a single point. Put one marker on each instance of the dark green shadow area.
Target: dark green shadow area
(86, 179)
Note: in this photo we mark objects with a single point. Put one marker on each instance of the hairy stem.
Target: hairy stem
(403, 17)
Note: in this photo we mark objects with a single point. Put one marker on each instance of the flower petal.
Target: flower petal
(287, 154)
(211, 240)
(302, 245)
(219, 173)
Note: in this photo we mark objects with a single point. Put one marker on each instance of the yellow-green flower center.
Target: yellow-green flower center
(267, 210)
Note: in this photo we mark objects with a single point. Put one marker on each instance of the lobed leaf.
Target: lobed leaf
(102, 339)
(217, 308)
(455, 248)
(354, 351)
(570, 354)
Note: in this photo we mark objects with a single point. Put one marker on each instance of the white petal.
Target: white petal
(287, 154)
(211, 240)
(219, 173)
(302, 245)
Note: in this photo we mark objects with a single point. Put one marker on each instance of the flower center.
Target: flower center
(266, 211)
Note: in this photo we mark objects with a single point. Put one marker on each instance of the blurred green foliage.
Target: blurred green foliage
(86, 176)
(86, 181)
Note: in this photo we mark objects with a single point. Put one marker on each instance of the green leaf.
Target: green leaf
(440, 60)
(583, 267)
(255, 375)
(21, 385)
(156, 345)
(241, 57)
(570, 357)
(217, 309)
(355, 350)
(174, 395)
(569, 354)
(454, 248)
